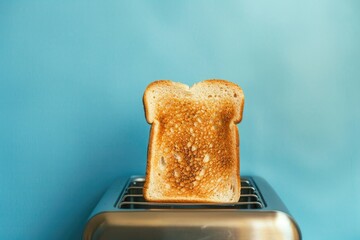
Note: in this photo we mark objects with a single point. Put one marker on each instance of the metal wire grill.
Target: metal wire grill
(132, 198)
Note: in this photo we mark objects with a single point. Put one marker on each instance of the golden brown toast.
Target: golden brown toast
(193, 152)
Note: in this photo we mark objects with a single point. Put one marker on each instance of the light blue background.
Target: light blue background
(72, 75)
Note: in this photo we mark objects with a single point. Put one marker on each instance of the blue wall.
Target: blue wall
(72, 75)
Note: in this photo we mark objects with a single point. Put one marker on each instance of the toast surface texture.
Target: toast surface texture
(193, 151)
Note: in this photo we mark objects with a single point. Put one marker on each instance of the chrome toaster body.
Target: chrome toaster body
(123, 213)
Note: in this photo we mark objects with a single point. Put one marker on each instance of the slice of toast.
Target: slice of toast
(193, 152)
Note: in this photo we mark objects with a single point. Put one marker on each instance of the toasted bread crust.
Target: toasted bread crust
(193, 152)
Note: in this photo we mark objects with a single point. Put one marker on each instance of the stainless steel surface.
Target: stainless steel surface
(122, 213)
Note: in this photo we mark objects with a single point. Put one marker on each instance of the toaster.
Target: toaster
(123, 213)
